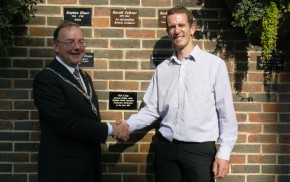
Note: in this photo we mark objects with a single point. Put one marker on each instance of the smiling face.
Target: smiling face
(70, 54)
(180, 31)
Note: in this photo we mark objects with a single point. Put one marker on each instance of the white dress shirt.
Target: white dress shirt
(193, 97)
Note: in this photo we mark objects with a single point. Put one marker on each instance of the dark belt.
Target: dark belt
(161, 137)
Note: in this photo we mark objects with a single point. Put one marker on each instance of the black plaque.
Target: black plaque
(123, 100)
(124, 18)
(156, 59)
(162, 18)
(275, 63)
(88, 60)
(81, 16)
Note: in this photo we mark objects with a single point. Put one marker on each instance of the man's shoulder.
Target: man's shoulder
(48, 69)
(208, 56)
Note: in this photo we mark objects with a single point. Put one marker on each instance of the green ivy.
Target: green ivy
(261, 20)
(248, 14)
(269, 37)
(12, 14)
(270, 30)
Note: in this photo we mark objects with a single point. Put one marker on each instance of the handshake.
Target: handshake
(121, 131)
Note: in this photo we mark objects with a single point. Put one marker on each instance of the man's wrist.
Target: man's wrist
(110, 129)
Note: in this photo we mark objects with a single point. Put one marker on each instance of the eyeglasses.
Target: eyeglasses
(81, 43)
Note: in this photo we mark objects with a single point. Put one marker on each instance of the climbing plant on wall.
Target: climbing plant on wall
(264, 22)
(13, 13)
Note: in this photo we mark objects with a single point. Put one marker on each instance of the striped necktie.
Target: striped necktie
(77, 76)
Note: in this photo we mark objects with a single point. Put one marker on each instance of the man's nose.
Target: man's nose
(177, 29)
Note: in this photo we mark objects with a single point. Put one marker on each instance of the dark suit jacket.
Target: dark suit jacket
(71, 132)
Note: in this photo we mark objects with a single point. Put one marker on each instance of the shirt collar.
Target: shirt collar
(192, 56)
(70, 69)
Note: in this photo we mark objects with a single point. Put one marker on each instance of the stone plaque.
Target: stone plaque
(276, 63)
(124, 18)
(81, 16)
(123, 100)
(156, 59)
(162, 18)
(88, 60)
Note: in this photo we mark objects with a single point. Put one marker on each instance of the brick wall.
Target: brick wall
(122, 63)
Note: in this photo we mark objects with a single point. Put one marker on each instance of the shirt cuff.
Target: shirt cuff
(110, 129)
(224, 153)
(131, 123)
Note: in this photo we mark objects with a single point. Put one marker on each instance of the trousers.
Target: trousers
(179, 161)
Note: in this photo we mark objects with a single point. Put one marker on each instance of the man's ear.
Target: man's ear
(55, 47)
(192, 29)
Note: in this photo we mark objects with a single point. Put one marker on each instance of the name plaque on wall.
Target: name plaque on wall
(124, 18)
(156, 59)
(162, 18)
(276, 63)
(81, 16)
(123, 100)
(88, 60)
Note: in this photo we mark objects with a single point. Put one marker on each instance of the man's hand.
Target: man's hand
(121, 131)
(220, 168)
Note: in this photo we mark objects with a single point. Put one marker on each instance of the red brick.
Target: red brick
(125, 43)
(102, 11)
(122, 62)
(101, 64)
(267, 159)
(262, 178)
(130, 75)
(276, 107)
(242, 138)
(62, 2)
(106, 33)
(146, 168)
(284, 77)
(144, 85)
(256, 77)
(123, 85)
(138, 158)
(101, 22)
(155, 3)
(245, 169)
(6, 125)
(241, 117)
(238, 159)
(123, 168)
(111, 115)
(101, 85)
(262, 138)
(138, 177)
(250, 128)
(247, 107)
(137, 54)
(253, 87)
(108, 53)
(246, 148)
(273, 149)
(263, 117)
(149, 23)
(108, 75)
(140, 33)
(41, 31)
(123, 65)
(275, 169)
(145, 148)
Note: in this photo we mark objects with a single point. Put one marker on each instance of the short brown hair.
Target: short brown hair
(62, 25)
(180, 9)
